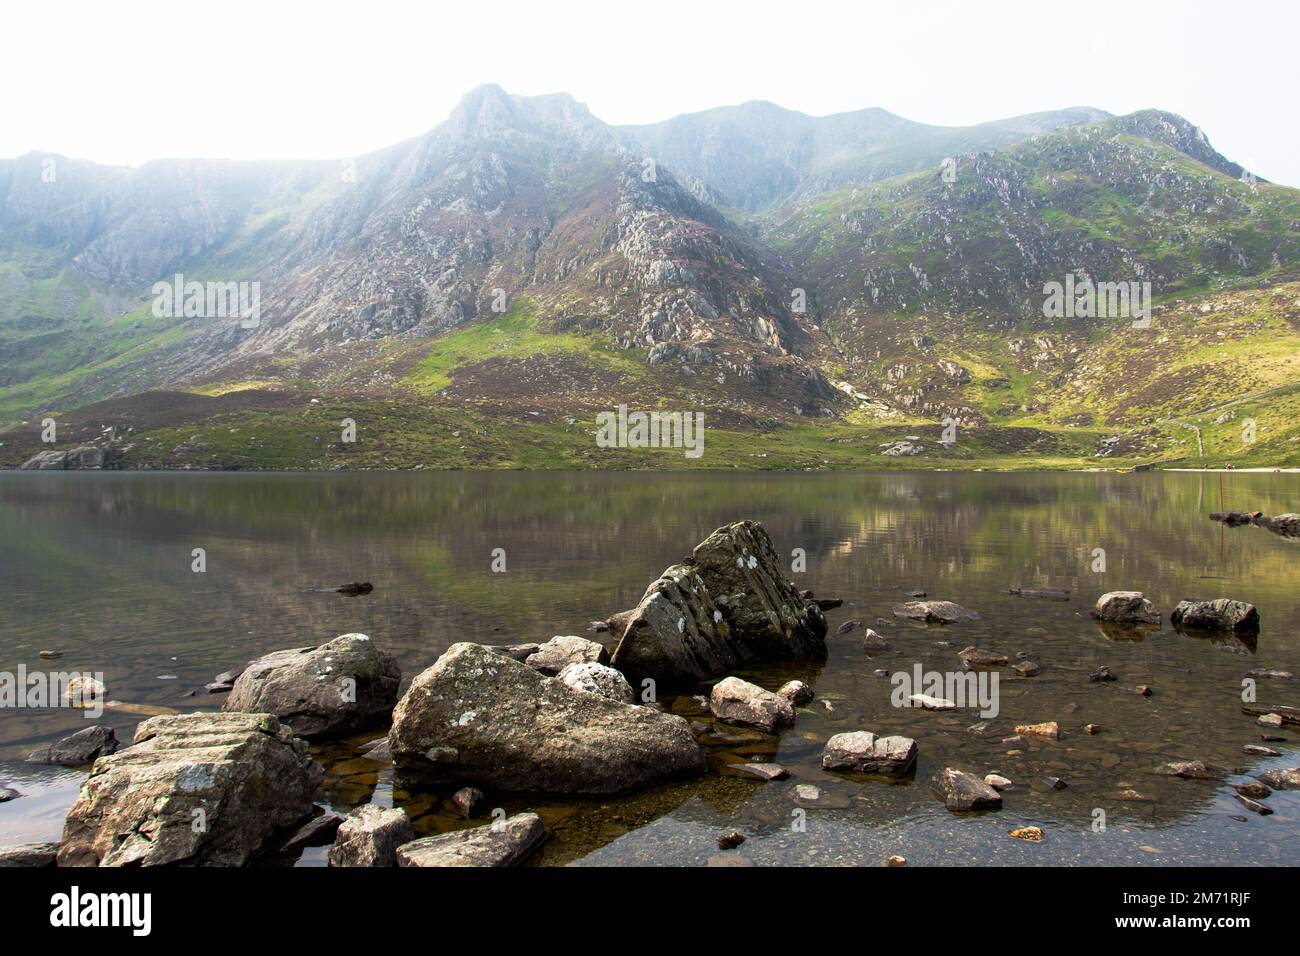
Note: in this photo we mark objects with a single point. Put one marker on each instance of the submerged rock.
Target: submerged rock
(598, 679)
(726, 605)
(873, 643)
(1125, 607)
(935, 612)
(197, 789)
(477, 717)
(1054, 594)
(977, 657)
(762, 771)
(1289, 714)
(323, 691)
(370, 836)
(740, 702)
(1221, 614)
(961, 791)
(81, 748)
(1190, 770)
(562, 650)
(499, 843)
(864, 752)
(1281, 779)
(318, 831)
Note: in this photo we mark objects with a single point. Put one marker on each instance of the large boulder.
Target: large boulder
(1125, 607)
(370, 836)
(320, 691)
(866, 753)
(478, 717)
(740, 702)
(499, 843)
(79, 749)
(196, 789)
(1222, 614)
(725, 605)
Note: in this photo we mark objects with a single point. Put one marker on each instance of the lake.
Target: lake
(98, 566)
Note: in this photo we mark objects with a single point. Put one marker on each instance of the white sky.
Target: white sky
(124, 82)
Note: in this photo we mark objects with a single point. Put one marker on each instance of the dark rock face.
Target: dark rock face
(83, 747)
(866, 753)
(1221, 614)
(370, 836)
(193, 789)
(1125, 607)
(961, 791)
(729, 603)
(479, 717)
(499, 843)
(320, 691)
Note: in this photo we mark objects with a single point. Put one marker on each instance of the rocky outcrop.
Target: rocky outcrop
(499, 843)
(370, 836)
(195, 789)
(726, 605)
(322, 691)
(81, 748)
(478, 717)
(961, 791)
(561, 651)
(1221, 614)
(740, 702)
(85, 458)
(864, 752)
(598, 679)
(1125, 607)
(935, 612)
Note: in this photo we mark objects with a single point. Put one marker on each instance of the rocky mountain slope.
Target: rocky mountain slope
(523, 266)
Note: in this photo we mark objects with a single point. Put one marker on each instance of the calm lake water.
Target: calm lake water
(98, 566)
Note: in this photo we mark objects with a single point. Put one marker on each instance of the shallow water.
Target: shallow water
(98, 566)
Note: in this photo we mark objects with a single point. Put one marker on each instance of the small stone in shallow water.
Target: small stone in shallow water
(740, 702)
(1049, 729)
(1056, 783)
(1027, 669)
(997, 781)
(1272, 739)
(982, 729)
(1093, 729)
(873, 643)
(1270, 675)
(51, 655)
(7, 794)
(731, 840)
(1102, 675)
(896, 860)
(796, 692)
(1257, 751)
(978, 657)
(1190, 770)
(961, 791)
(1029, 834)
(1143, 690)
(762, 771)
(931, 703)
(1271, 720)
(1133, 796)
(1256, 791)
(1251, 805)
(469, 801)
(847, 627)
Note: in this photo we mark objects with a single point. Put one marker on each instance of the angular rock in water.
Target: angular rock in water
(1256, 750)
(320, 691)
(8, 793)
(1190, 770)
(1256, 791)
(318, 831)
(1281, 779)
(828, 604)
(1254, 806)
(763, 771)
(796, 692)
(565, 649)
(83, 747)
(477, 717)
(1054, 594)
(29, 854)
(978, 657)
(931, 703)
(997, 781)
(740, 702)
(848, 627)
(499, 843)
(961, 791)
(1221, 614)
(726, 605)
(370, 836)
(866, 753)
(1289, 714)
(1125, 607)
(1287, 525)
(598, 679)
(935, 612)
(241, 776)
(873, 643)
(1027, 669)
(469, 801)
(1049, 729)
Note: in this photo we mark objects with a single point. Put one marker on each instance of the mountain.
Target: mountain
(814, 282)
